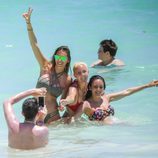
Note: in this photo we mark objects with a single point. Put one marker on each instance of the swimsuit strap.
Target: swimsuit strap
(59, 74)
(55, 77)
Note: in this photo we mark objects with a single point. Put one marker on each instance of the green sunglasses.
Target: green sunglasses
(59, 57)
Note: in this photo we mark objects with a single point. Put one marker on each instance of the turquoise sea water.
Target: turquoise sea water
(82, 25)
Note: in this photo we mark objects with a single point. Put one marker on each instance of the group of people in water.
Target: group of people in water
(77, 96)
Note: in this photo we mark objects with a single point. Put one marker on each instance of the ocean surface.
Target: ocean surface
(81, 25)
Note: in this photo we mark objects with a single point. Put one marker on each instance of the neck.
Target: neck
(59, 69)
(83, 85)
(108, 61)
(97, 99)
(29, 121)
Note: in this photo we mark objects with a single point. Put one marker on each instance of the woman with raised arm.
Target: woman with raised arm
(53, 74)
(97, 105)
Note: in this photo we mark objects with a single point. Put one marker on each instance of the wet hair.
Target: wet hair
(110, 46)
(92, 79)
(67, 50)
(30, 108)
(77, 65)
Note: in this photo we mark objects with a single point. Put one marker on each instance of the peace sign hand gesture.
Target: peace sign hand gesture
(27, 15)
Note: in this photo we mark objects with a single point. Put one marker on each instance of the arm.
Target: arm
(72, 93)
(33, 41)
(66, 89)
(11, 119)
(41, 116)
(87, 109)
(129, 91)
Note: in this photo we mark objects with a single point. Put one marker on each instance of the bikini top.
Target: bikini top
(51, 83)
(100, 114)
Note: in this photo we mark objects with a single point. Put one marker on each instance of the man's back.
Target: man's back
(26, 135)
(29, 136)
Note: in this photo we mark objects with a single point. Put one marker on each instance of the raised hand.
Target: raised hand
(39, 92)
(27, 15)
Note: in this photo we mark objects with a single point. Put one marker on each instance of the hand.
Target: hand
(61, 108)
(63, 102)
(153, 83)
(42, 113)
(39, 92)
(27, 15)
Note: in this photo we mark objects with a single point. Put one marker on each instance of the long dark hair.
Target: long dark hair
(92, 79)
(67, 50)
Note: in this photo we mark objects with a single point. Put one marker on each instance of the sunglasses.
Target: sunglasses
(59, 57)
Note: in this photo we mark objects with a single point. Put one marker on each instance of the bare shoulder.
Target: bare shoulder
(41, 130)
(86, 103)
(118, 62)
(69, 79)
(47, 67)
(97, 63)
(107, 96)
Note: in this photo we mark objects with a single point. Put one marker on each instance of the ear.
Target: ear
(108, 53)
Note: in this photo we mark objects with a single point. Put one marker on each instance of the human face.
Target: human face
(81, 73)
(101, 54)
(97, 88)
(61, 58)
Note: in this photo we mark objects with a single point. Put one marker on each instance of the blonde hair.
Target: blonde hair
(76, 65)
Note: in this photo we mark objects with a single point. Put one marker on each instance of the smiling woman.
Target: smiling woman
(97, 105)
(81, 25)
(53, 74)
(77, 91)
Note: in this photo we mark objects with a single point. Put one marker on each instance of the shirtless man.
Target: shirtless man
(31, 133)
(106, 54)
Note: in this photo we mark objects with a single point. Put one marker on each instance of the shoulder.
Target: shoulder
(47, 67)
(74, 84)
(86, 103)
(69, 79)
(117, 62)
(97, 63)
(41, 130)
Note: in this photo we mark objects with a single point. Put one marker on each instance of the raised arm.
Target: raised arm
(11, 119)
(33, 41)
(129, 91)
